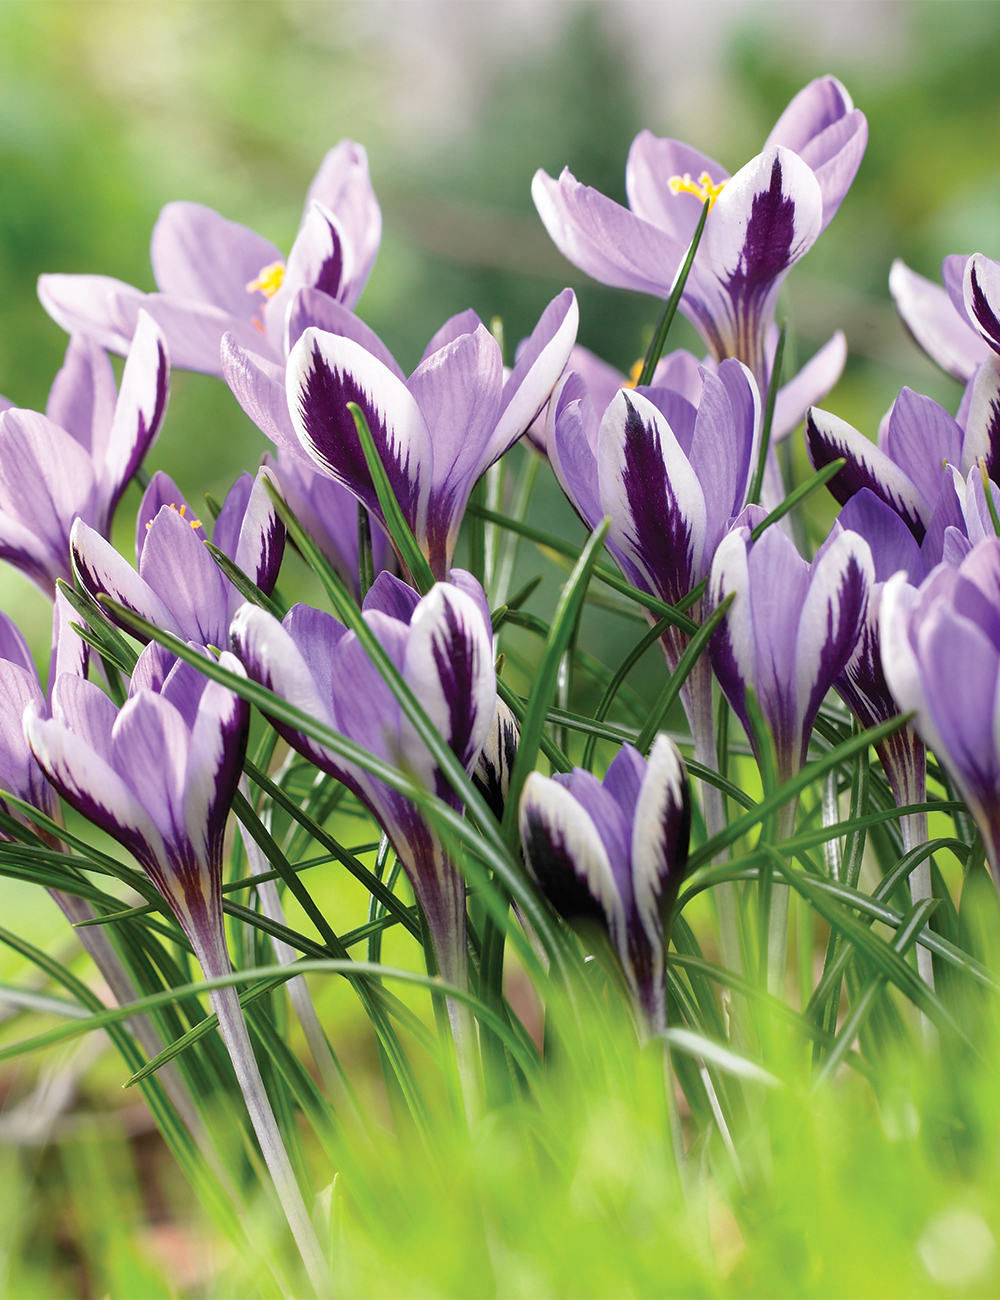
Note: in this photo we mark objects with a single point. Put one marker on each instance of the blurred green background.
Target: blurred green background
(109, 110)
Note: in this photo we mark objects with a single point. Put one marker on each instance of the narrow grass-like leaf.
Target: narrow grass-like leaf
(773, 384)
(659, 339)
(564, 623)
(800, 494)
(623, 670)
(399, 530)
(679, 676)
(247, 588)
(724, 1058)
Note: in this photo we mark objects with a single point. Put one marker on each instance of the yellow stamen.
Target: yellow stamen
(269, 279)
(635, 370)
(703, 188)
(182, 511)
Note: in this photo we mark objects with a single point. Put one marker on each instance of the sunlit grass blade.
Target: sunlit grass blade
(722, 1057)
(111, 643)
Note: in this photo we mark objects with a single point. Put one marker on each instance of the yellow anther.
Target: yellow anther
(635, 370)
(269, 279)
(182, 511)
(703, 188)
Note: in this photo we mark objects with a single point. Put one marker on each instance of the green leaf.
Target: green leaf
(659, 339)
(679, 676)
(244, 585)
(724, 1058)
(800, 494)
(623, 670)
(564, 622)
(399, 530)
(774, 383)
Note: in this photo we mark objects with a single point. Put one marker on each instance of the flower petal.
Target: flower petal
(325, 372)
(97, 306)
(652, 162)
(981, 287)
(944, 334)
(311, 307)
(653, 496)
(540, 362)
(83, 395)
(828, 438)
(199, 255)
(342, 185)
(982, 427)
(101, 570)
(816, 378)
(141, 406)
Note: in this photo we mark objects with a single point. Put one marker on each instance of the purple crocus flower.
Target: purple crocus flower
(791, 630)
(159, 777)
(671, 475)
(762, 221)
(941, 654)
(179, 586)
(442, 644)
(215, 276)
(436, 432)
(912, 468)
(681, 372)
(615, 854)
(937, 317)
(75, 461)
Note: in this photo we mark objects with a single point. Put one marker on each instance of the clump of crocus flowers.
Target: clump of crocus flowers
(395, 697)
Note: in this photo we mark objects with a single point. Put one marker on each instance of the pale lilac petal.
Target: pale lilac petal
(342, 184)
(449, 667)
(149, 751)
(681, 371)
(892, 544)
(162, 491)
(101, 570)
(70, 654)
(652, 162)
(142, 404)
(981, 288)
(464, 322)
(194, 331)
(215, 761)
(920, 436)
(199, 255)
(93, 787)
(816, 106)
(392, 596)
(944, 334)
(13, 647)
(779, 590)
(261, 542)
(83, 395)
(19, 773)
(832, 618)
(97, 306)
(610, 821)
(565, 854)
(258, 384)
(464, 581)
(602, 380)
(177, 566)
(724, 445)
(604, 239)
(623, 779)
(572, 449)
(325, 372)
(982, 425)
(652, 494)
(828, 438)
(311, 307)
(659, 836)
(816, 378)
(540, 363)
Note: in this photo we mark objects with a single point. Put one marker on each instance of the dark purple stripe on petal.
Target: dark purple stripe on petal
(983, 313)
(323, 398)
(555, 869)
(331, 271)
(768, 244)
(661, 533)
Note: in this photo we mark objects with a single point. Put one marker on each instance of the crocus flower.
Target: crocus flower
(442, 644)
(215, 276)
(496, 761)
(179, 586)
(790, 631)
(862, 684)
(681, 372)
(937, 317)
(671, 476)
(159, 777)
(762, 221)
(941, 654)
(75, 461)
(912, 467)
(615, 853)
(436, 432)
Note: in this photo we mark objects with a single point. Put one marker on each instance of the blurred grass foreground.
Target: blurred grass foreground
(882, 1181)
